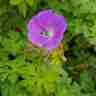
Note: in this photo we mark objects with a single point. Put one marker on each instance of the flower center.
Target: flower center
(46, 34)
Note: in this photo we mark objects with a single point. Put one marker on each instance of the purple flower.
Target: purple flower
(46, 29)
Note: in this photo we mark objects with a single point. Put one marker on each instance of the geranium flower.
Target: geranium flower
(46, 29)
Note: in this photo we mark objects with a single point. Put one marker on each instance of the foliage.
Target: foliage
(23, 5)
(26, 70)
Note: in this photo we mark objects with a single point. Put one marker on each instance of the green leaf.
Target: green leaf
(22, 9)
(22, 25)
(30, 2)
(15, 2)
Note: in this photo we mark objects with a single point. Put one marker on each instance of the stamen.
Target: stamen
(47, 34)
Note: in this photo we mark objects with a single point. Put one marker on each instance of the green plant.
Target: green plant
(26, 71)
(23, 5)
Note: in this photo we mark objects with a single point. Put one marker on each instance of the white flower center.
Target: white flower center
(47, 34)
